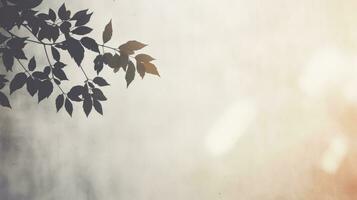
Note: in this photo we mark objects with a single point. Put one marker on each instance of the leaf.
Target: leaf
(55, 53)
(58, 82)
(52, 15)
(63, 14)
(131, 46)
(8, 16)
(32, 85)
(43, 16)
(45, 90)
(75, 92)
(3, 38)
(45, 32)
(59, 102)
(32, 64)
(59, 73)
(144, 58)
(98, 107)
(98, 95)
(82, 30)
(81, 17)
(108, 59)
(151, 69)
(3, 81)
(8, 60)
(130, 73)
(75, 49)
(98, 63)
(108, 32)
(47, 70)
(90, 44)
(100, 81)
(4, 101)
(40, 75)
(69, 107)
(87, 105)
(59, 65)
(119, 62)
(54, 32)
(65, 27)
(16, 43)
(18, 82)
(140, 68)
(91, 85)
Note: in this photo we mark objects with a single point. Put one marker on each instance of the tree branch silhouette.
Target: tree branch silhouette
(63, 32)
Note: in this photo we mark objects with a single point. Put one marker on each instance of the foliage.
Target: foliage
(60, 32)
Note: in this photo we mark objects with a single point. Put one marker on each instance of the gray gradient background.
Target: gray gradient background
(246, 103)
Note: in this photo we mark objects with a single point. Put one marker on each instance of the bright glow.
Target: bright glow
(334, 155)
(328, 67)
(230, 127)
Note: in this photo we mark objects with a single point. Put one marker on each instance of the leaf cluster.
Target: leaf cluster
(61, 32)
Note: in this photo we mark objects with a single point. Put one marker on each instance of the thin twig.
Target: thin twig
(23, 67)
(51, 66)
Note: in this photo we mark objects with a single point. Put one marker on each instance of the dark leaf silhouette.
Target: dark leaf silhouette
(8, 16)
(59, 102)
(59, 65)
(100, 81)
(81, 17)
(87, 105)
(119, 62)
(75, 49)
(58, 82)
(55, 54)
(3, 38)
(108, 59)
(47, 70)
(8, 60)
(40, 75)
(63, 14)
(52, 15)
(3, 81)
(69, 107)
(98, 95)
(65, 27)
(130, 73)
(108, 32)
(98, 107)
(4, 101)
(75, 93)
(32, 85)
(18, 82)
(90, 44)
(82, 30)
(61, 31)
(98, 63)
(16, 43)
(45, 90)
(32, 64)
(59, 73)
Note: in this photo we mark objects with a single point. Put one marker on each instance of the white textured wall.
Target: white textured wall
(252, 95)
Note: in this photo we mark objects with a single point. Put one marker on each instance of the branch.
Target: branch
(23, 67)
(49, 62)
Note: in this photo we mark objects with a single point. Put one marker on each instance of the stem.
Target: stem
(49, 62)
(23, 67)
(39, 42)
(85, 74)
(114, 49)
